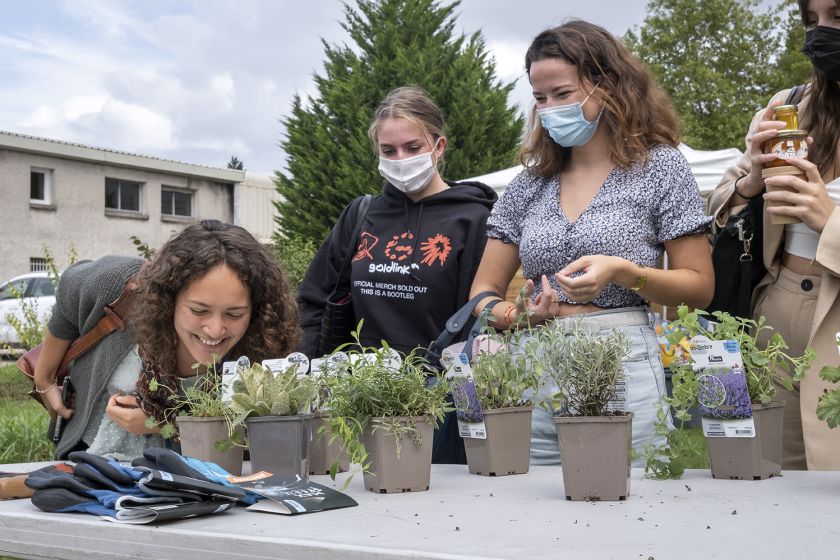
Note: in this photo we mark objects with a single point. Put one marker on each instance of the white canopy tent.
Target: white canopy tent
(707, 167)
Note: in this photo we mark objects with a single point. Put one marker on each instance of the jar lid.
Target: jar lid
(792, 133)
(785, 108)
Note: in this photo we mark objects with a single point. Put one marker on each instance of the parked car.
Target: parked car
(36, 289)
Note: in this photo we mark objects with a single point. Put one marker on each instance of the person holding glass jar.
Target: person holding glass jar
(800, 294)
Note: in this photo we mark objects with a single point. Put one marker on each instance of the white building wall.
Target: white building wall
(77, 216)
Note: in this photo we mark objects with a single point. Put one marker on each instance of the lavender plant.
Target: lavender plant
(586, 367)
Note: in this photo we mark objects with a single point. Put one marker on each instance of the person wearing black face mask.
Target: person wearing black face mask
(800, 295)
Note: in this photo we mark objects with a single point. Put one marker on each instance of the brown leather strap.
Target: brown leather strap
(116, 314)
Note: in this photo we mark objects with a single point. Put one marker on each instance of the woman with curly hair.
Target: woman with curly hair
(211, 293)
(604, 193)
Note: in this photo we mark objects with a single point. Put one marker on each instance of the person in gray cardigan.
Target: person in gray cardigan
(209, 293)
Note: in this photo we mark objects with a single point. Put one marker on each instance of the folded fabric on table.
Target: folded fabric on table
(133, 494)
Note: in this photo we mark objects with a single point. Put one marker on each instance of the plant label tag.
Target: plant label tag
(715, 353)
(335, 363)
(742, 427)
(276, 365)
(389, 359)
(230, 373)
(619, 402)
(467, 407)
(301, 360)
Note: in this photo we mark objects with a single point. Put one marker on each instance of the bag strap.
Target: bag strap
(361, 213)
(116, 314)
(795, 95)
(455, 324)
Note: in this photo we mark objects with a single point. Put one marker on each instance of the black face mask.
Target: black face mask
(822, 46)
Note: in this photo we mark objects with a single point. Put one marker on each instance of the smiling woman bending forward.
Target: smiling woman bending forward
(210, 293)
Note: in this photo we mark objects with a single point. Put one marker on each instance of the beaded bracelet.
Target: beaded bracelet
(508, 319)
(47, 390)
(735, 187)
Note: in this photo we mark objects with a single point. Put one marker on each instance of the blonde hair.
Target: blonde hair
(413, 104)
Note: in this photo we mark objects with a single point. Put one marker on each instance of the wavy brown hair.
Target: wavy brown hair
(273, 329)
(637, 112)
(821, 115)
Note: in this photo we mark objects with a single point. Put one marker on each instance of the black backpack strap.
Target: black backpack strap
(344, 274)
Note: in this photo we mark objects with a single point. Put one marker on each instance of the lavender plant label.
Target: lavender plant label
(280, 365)
(723, 395)
(337, 362)
(464, 395)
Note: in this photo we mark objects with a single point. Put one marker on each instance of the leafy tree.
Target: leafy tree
(792, 67)
(236, 163)
(394, 43)
(715, 59)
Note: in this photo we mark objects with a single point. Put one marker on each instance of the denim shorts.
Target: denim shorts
(645, 382)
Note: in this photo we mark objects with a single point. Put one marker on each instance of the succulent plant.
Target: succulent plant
(259, 392)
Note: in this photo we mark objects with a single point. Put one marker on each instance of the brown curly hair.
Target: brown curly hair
(637, 111)
(273, 330)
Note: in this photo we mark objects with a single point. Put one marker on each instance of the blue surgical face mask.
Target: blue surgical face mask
(566, 124)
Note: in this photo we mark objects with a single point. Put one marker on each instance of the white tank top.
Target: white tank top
(802, 241)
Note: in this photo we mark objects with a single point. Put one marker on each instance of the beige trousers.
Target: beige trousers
(789, 309)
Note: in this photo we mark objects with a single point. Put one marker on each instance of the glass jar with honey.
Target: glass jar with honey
(789, 142)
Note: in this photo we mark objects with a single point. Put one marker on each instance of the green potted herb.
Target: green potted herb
(747, 458)
(275, 410)
(828, 408)
(384, 412)
(324, 450)
(506, 376)
(594, 437)
(204, 424)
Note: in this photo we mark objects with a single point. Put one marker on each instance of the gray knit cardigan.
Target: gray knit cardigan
(83, 292)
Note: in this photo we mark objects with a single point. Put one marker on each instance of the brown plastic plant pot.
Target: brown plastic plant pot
(279, 444)
(198, 439)
(595, 455)
(507, 447)
(411, 471)
(322, 453)
(754, 458)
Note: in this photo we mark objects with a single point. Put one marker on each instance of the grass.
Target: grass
(23, 422)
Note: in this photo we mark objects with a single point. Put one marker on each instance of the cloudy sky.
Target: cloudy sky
(201, 80)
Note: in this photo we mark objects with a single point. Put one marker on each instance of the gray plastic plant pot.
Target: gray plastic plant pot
(408, 472)
(507, 447)
(198, 439)
(322, 453)
(595, 455)
(754, 458)
(279, 444)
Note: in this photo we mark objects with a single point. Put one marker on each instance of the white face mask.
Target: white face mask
(411, 174)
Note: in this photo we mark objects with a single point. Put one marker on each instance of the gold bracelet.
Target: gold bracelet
(47, 390)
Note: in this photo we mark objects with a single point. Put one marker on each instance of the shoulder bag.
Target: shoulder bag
(114, 319)
(339, 318)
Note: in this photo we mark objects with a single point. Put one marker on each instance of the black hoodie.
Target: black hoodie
(413, 265)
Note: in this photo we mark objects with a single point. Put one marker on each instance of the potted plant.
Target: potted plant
(743, 458)
(324, 450)
(384, 414)
(828, 408)
(594, 435)
(204, 425)
(275, 409)
(505, 376)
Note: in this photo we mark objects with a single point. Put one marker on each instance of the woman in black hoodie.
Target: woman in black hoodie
(418, 248)
(420, 242)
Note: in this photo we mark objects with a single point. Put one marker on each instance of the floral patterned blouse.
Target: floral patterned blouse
(635, 211)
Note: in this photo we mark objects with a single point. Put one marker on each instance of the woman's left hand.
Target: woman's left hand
(811, 202)
(597, 272)
(126, 412)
